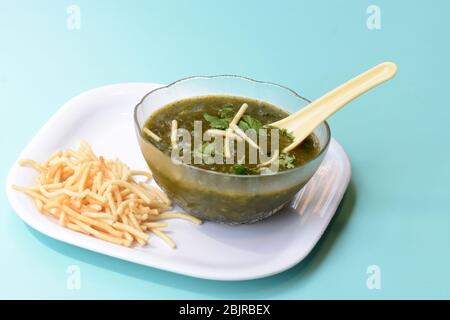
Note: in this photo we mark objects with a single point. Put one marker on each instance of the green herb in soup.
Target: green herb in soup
(216, 114)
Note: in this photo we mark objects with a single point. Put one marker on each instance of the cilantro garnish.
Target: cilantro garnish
(248, 122)
(227, 113)
(287, 134)
(216, 122)
(243, 170)
(286, 161)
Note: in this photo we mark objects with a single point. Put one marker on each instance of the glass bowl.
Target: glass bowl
(220, 197)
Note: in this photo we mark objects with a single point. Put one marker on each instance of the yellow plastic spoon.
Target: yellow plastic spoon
(304, 121)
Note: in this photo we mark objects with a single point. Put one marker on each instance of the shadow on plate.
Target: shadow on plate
(263, 288)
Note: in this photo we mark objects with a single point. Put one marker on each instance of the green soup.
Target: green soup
(216, 112)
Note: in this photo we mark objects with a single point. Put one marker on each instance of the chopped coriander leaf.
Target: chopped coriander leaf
(206, 149)
(216, 122)
(244, 170)
(226, 112)
(287, 134)
(243, 125)
(248, 122)
(286, 161)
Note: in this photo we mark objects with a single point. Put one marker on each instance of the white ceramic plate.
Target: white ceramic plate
(103, 117)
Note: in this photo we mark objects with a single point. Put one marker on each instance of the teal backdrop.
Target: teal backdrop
(395, 214)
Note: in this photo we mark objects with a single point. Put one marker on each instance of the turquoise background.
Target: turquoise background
(395, 213)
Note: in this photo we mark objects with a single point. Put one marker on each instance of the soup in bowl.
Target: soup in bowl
(210, 146)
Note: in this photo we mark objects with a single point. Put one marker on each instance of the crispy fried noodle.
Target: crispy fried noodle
(101, 198)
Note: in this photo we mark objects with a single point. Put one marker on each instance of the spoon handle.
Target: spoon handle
(304, 121)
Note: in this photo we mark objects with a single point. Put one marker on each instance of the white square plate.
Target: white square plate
(103, 117)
